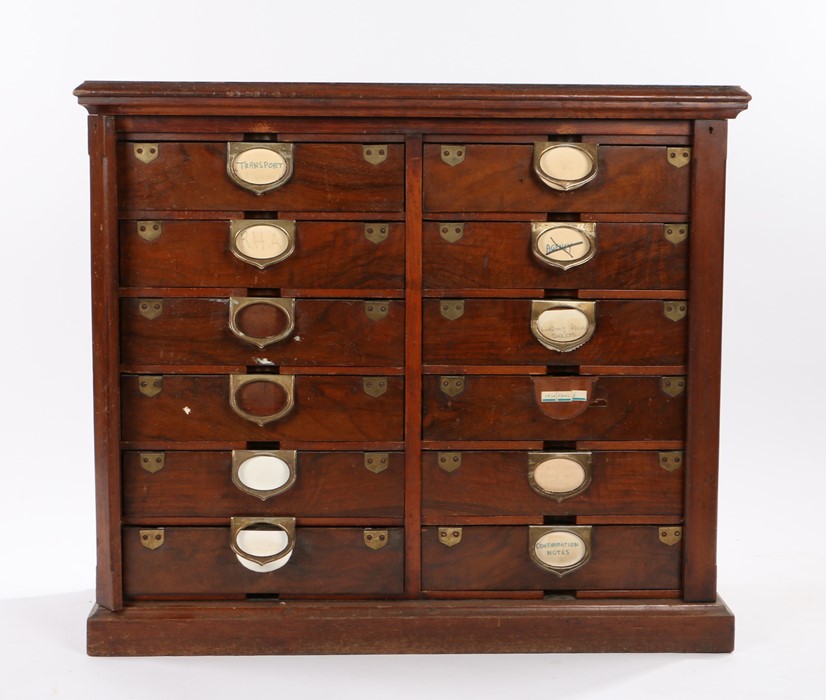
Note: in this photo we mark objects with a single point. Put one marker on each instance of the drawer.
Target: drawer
(262, 482)
(501, 331)
(551, 483)
(499, 558)
(553, 408)
(312, 408)
(501, 178)
(325, 254)
(262, 331)
(199, 561)
(491, 255)
(194, 176)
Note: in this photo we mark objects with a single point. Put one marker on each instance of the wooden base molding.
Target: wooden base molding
(411, 627)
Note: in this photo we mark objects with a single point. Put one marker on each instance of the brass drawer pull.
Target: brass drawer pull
(285, 382)
(563, 325)
(560, 549)
(565, 166)
(264, 473)
(260, 166)
(286, 307)
(262, 544)
(261, 242)
(559, 475)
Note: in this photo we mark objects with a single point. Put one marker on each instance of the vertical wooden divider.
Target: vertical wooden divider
(705, 298)
(106, 384)
(413, 367)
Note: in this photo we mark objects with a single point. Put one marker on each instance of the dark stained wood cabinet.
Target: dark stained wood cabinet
(406, 368)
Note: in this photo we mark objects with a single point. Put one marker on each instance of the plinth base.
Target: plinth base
(410, 627)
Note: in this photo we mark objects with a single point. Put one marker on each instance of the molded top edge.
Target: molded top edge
(411, 100)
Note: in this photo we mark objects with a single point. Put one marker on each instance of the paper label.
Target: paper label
(564, 396)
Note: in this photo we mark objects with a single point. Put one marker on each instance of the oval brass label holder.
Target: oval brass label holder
(261, 242)
(262, 544)
(264, 473)
(563, 244)
(559, 475)
(565, 166)
(284, 381)
(238, 304)
(559, 549)
(563, 325)
(259, 166)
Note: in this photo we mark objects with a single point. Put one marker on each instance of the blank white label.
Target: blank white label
(262, 241)
(259, 166)
(565, 163)
(264, 473)
(559, 475)
(560, 549)
(262, 543)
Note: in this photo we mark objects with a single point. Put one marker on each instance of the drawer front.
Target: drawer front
(514, 408)
(326, 177)
(325, 408)
(500, 178)
(326, 255)
(203, 484)
(497, 558)
(199, 561)
(292, 331)
(498, 256)
(515, 484)
(498, 331)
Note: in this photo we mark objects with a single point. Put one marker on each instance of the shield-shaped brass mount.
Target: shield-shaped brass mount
(670, 535)
(374, 386)
(149, 230)
(451, 309)
(449, 461)
(452, 385)
(376, 462)
(376, 233)
(453, 155)
(450, 536)
(374, 153)
(152, 461)
(150, 386)
(673, 386)
(671, 461)
(679, 156)
(676, 233)
(451, 231)
(376, 310)
(152, 539)
(376, 539)
(145, 152)
(675, 310)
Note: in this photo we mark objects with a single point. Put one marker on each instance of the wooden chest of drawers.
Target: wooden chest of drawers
(411, 368)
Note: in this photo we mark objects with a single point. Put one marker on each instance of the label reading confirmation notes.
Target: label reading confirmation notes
(564, 396)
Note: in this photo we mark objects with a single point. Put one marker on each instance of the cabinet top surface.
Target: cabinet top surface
(413, 100)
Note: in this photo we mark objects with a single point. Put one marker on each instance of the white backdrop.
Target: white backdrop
(772, 470)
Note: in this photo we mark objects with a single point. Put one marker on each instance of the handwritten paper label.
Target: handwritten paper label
(259, 166)
(560, 549)
(563, 244)
(562, 325)
(564, 396)
(262, 241)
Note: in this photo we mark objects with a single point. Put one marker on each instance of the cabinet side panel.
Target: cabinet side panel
(105, 359)
(705, 293)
